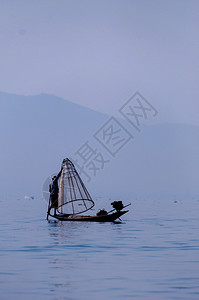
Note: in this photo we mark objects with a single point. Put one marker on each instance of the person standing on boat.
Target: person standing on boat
(54, 191)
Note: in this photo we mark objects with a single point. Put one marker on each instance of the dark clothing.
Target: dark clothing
(54, 190)
(54, 201)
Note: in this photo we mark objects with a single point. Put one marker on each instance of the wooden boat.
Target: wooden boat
(74, 199)
(91, 218)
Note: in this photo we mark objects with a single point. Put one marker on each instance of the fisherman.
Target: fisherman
(54, 191)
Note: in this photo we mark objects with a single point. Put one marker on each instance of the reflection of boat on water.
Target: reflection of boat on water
(74, 199)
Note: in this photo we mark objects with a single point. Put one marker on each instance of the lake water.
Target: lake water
(152, 254)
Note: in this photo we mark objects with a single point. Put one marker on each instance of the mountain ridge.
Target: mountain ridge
(161, 160)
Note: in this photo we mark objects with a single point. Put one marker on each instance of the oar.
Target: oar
(127, 205)
(115, 209)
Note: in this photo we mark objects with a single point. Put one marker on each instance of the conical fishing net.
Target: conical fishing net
(73, 196)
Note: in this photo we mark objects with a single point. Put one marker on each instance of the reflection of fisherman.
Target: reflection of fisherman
(54, 190)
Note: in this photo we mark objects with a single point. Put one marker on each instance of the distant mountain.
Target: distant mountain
(37, 132)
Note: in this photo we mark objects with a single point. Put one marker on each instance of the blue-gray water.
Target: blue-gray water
(153, 254)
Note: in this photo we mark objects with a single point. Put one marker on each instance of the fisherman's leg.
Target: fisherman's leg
(55, 204)
(55, 211)
(49, 210)
(50, 204)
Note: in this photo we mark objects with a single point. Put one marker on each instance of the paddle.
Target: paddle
(115, 209)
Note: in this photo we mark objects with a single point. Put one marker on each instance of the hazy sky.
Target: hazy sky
(99, 53)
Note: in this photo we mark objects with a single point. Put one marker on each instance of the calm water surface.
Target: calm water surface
(152, 254)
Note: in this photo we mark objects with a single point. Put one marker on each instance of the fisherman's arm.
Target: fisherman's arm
(58, 175)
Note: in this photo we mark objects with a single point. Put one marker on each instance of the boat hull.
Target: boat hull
(87, 218)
